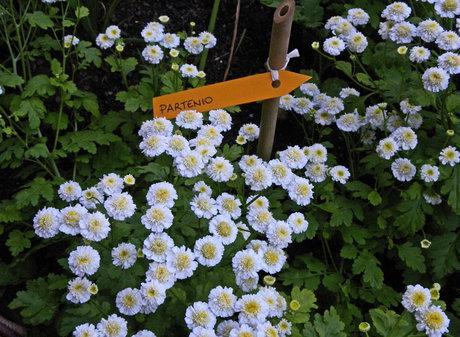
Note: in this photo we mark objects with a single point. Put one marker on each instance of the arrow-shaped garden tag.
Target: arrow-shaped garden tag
(229, 93)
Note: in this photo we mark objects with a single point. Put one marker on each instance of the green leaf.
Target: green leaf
(38, 188)
(390, 324)
(443, 254)
(306, 298)
(232, 152)
(309, 13)
(124, 66)
(86, 140)
(18, 241)
(91, 311)
(81, 12)
(412, 256)
(38, 304)
(344, 66)
(368, 265)
(39, 85)
(329, 325)
(374, 198)
(10, 79)
(88, 55)
(412, 218)
(365, 79)
(9, 212)
(33, 108)
(453, 103)
(39, 19)
(452, 186)
(37, 151)
(171, 82)
(349, 252)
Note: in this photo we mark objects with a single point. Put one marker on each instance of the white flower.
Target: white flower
(129, 301)
(124, 255)
(103, 41)
(69, 191)
(447, 8)
(111, 183)
(433, 321)
(273, 259)
(153, 293)
(429, 173)
(323, 117)
(435, 79)
(170, 41)
(408, 108)
(228, 204)
(387, 148)
(91, 197)
(344, 29)
(221, 119)
(266, 329)
(223, 228)
(297, 222)
(94, 226)
(246, 263)
(415, 121)
(225, 327)
(349, 122)
(188, 70)
(449, 156)
(249, 131)
(279, 234)
(384, 29)
(189, 119)
(84, 260)
(317, 153)
(78, 290)
(332, 105)
(252, 309)
(429, 30)
(286, 102)
(182, 261)
(403, 169)
(258, 178)
(70, 219)
(247, 284)
(450, 62)
(281, 173)
(70, 40)
(2, 90)
(156, 246)
(157, 218)
(357, 16)
(432, 198)
(202, 187)
(202, 332)
(257, 203)
(219, 169)
(177, 146)
(375, 115)
(144, 333)
(346, 92)
(448, 40)
(284, 327)
(208, 250)
(316, 172)
(270, 295)
(120, 206)
(113, 326)
(208, 40)
(157, 126)
(406, 138)
(260, 219)
(153, 54)
(309, 89)
(402, 32)
(293, 157)
(162, 193)
(193, 45)
(397, 11)
(416, 298)
(85, 330)
(162, 273)
(153, 32)
(243, 330)
(357, 42)
(249, 161)
(222, 301)
(302, 105)
(199, 315)
(113, 32)
(212, 133)
(153, 145)
(47, 222)
(339, 174)
(203, 206)
(333, 46)
(419, 54)
(301, 191)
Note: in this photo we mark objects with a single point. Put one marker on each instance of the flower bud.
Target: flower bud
(120, 47)
(140, 253)
(402, 50)
(425, 244)
(174, 53)
(315, 45)
(164, 19)
(294, 305)
(201, 74)
(450, 133)
(192, 24)
(437, 286)
(240, 140)
(233, 177)
(175, 66)
(93, 289)
(269, 280)
(434, 294)
(364, 327)
(129, 179)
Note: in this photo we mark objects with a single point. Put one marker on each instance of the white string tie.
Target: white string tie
(275, 72)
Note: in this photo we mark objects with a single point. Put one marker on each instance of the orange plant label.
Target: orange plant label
(229, 93)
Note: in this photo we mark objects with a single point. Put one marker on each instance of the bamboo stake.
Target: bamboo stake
(279, 43)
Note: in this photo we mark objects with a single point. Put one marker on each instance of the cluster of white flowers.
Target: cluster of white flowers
(430, 317)
(346, 35)
(111, 36)
(254, 314)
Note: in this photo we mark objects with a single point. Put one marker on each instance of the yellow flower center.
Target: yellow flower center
(182, 262)
(271, 257)
(434, 320)
(251, 307)
(162, 195)
(224, 229)
(158, 246)
(209, 250)
(45, 221)
(418, 298)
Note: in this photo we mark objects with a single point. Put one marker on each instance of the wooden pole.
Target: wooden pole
(279, 44)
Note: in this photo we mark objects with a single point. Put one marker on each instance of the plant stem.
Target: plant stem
(211, 26)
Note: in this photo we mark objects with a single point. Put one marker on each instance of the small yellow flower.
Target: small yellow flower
(425, 244)
(129, 179)
(192, 24)
(315, 45)
(402, 50)
(450, 133)
(294, 305)
(240, 140)
(269, 280)
(364, 327)
(164, 19)
(233, 177)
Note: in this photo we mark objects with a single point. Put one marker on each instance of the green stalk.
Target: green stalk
(211, 27)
